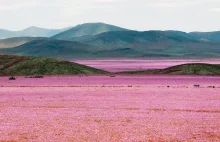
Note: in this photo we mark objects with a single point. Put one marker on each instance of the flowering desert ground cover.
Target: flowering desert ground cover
(104, 108)
(109, 71)
(120, 65)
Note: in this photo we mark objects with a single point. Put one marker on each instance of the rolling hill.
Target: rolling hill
(185, 69)
(16, 41)
(154, 44)
(52, 48)
(21, 65)
(87, 29)
(127, 38)
(99, 40)
(207, 36)
(121, 44)
(30, 32)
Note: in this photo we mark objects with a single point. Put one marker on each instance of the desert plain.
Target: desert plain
(127, 108)
(120, 65)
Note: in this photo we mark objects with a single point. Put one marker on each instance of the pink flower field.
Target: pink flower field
(118, 65)
(115, 109)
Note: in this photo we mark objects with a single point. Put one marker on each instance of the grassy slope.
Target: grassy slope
(22, 65)
(186, 69)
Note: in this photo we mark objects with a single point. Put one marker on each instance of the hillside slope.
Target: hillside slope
(87, 29)
(207, 36)
(22, 65)
(16, 41)
(122, 44)
(154, 43)
(185, 69)
(129, 38)
(52, 48)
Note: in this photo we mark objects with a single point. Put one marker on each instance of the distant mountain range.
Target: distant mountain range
(52, 48)
(87, 29)
(207, 36)
(31, 32)
(99, 40)
(16, 41)
(155, 43)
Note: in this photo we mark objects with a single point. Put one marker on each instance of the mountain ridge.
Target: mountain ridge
(51, 48)
(16, 41)
(32, 31)
(87, 29)
(91, 40)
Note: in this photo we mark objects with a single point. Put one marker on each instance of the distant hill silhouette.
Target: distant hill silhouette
(207, 36)
(87, 29)
(154, 43)
(120, 44)
(99, 40)
(30, 32)
(16, 41)
(52, 48)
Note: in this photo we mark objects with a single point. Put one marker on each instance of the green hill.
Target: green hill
(52, 48)
(185, 69)
(122, 44)
(154, 44)
(16, 41)
(132, 38)
(207, 36)
(22, 65)
(87, 29)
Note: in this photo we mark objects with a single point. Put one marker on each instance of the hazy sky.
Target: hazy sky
(185, 15)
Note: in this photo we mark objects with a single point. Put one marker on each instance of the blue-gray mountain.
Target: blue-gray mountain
(120, 44)
(88, 29)
(31, 32)
(152, 44)
(99, 40)
(52, 48)
(17, 41)
(207, 36)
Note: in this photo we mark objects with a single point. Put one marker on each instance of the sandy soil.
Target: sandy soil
(119, 65)
(125, 108)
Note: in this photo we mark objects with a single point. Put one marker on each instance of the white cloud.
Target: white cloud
(177, 3)
(105, 1)
(215, 9)
(134, 14)
(16, 5)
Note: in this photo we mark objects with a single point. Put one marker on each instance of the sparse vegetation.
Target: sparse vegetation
(186, 69)
(20, 65)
